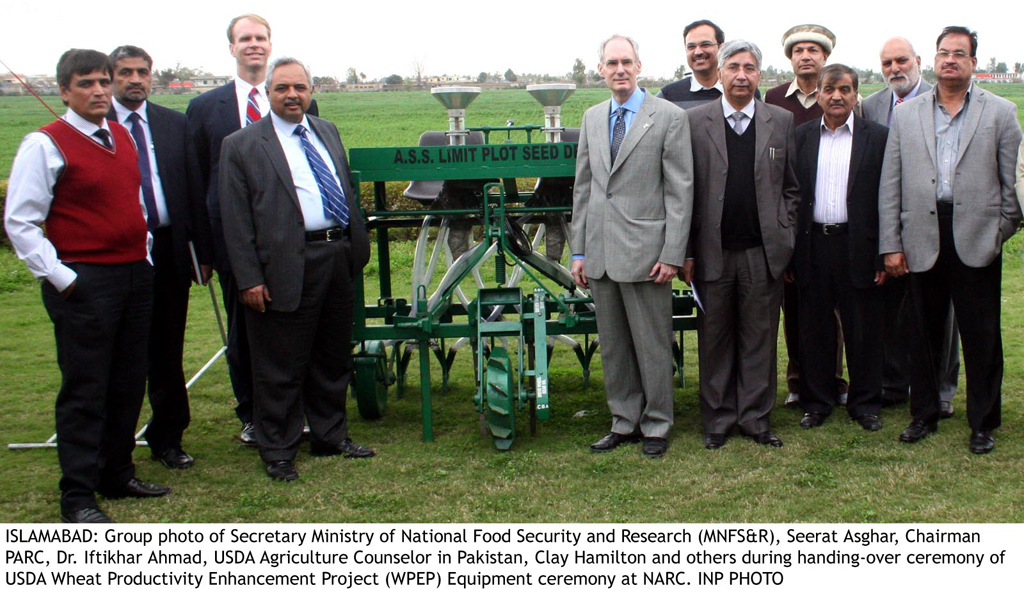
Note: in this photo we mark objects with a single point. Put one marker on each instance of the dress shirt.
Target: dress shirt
(830, 186)
(154, 171)
(37, 166)
(695, 86)
(310, 200)
(728, 111)
(806, 99)
(242, 90)
(631, 105)
(947, 144)
(912, 94)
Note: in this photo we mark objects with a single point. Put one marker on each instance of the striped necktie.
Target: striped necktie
(148, 196)
(330, 192)
(619, 132)
(252, 109)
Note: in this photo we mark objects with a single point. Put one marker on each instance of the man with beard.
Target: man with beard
(901, 67)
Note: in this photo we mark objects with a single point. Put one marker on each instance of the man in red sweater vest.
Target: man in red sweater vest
(74, 216)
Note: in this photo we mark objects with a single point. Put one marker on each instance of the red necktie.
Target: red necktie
(252, 109)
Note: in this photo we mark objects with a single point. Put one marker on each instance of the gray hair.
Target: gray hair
(285, 61)
(636, 47)
(913, 52)
(735, 46)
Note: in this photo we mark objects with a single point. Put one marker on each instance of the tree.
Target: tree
(680, 72)
(482, 77)
(362, 76)
(418, 70)
(1018, 67)
(394, 80)
(324, 80)
(510, 76)
(1002, 68)
(579, 73)
(351, 76)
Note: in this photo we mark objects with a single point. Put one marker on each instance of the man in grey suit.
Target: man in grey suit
(741, 242)
(901, 68)
(296, 241)
(631, 218)
(946, 205)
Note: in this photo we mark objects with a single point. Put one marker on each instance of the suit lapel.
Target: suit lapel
(602, 142)
(272, 147)
(642, 122)
(337, 156)
(716, 132)
(763, 118)
(971, 120)
(228, 107)
(860, 141)
(927, 119)
(158, 129)
(813, 146)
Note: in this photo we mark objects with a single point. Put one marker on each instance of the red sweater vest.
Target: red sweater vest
(96, 216)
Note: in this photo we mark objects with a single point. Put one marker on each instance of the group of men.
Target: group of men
(875, 225)
(120, 204)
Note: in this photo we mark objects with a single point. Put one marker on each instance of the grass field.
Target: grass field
(830, 474)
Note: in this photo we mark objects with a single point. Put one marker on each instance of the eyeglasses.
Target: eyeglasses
(957, 55)
(704, 45)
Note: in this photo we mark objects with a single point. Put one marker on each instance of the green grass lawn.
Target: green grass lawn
(830, 474)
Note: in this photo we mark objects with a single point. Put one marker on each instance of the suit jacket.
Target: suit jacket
(179, 180)
(861, 198)
(774, 180)
(629, 215)
(985, 207)
(1020, 175)
(876, 106)
(212, 116)
(263, 225)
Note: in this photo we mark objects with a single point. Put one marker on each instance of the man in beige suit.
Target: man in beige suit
(631, 219)
(946, 205)
(741, 242)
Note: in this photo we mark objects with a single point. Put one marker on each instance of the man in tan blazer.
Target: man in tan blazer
(631, 219)
(741, 242)
(946, 206)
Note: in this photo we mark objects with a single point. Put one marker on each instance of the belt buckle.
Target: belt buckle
(333, 234)
(829, 229)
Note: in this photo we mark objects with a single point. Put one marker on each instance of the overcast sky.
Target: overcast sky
(381, 37)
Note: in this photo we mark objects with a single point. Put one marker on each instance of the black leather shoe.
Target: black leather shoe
(174, 457)
(135, 488)
(655, 447)
(346, 448)
(870, 422)
(768, 438)
(812, 420)
(282, 470)
(945, 410)
(85, 515)
(611, 441)
(982, 442)
(248, 434)
(917, 430)
(714, 441)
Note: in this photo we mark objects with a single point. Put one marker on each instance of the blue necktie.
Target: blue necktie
(330, 192)
(148, 197)
(619, 132)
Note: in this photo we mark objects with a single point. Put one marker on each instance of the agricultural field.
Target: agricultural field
(836, 473)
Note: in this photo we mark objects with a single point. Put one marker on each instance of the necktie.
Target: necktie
(737, 118)
(104, 138)
(153, 218)
(252, 109)
(619, 132)
(330, 193)
(899, 100)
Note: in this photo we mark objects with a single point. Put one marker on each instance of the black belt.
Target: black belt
(831, 229)
(328, 234)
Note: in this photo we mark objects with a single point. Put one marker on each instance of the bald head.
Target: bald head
(901, 66)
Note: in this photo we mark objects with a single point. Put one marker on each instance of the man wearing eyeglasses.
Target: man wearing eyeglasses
(703, 39)
(946, 205)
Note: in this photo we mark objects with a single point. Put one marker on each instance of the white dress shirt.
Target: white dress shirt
(728, 111)
(830, 186)
(310, 201)
(695, 85)
(154, 171)
(37, 166)
(242, 90)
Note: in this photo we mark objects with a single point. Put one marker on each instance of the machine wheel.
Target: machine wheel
(499, 390)
(372, 379)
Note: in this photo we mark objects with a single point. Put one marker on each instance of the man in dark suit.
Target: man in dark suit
(741, 242)
(836, 263)
(211, 117)
(296, 241)
(177, 216)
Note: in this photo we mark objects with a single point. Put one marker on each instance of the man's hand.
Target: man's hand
(256, 297)
(788, 276)
(579, 273)
(205, 273)
(663, 272)
(880, 278)
(67, 291)
(896, 264)
(686, 273)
